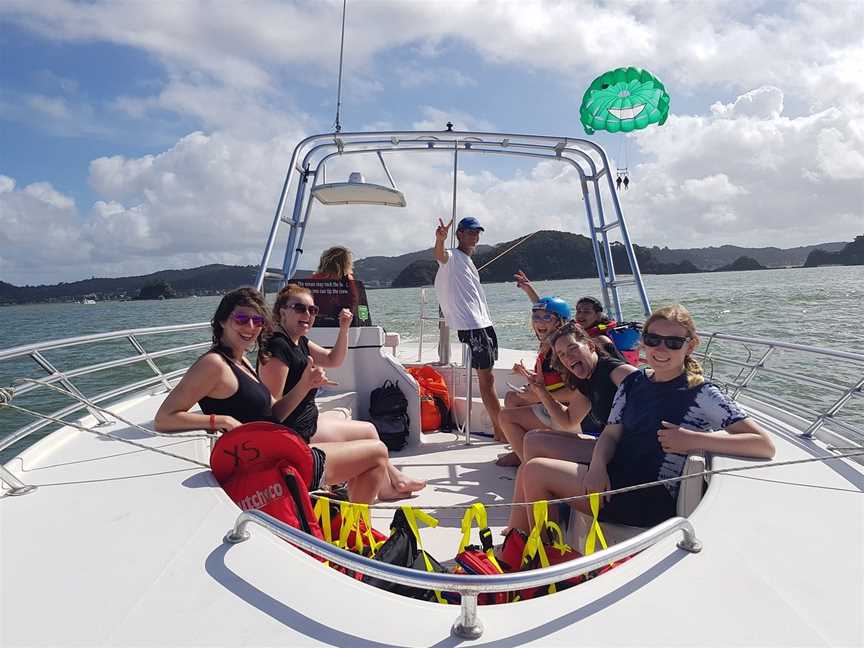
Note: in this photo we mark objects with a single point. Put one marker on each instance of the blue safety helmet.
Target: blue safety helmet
(554, 305)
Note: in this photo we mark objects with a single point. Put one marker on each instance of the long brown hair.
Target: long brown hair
(679, 315)
(336, 262)
(282, 298)
(244, 296)
(574, 330)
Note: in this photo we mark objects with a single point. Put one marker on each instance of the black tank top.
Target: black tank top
(304, 419)
(251, 401)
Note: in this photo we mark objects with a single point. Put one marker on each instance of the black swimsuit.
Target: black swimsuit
(252, 402)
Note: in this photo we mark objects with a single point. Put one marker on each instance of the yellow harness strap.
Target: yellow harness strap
(478, 512)
(353, 514)
(534, 543)
(322, 512)
(596, 533)
(412, 516)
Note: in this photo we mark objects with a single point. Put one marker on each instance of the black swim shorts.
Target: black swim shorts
(318, 461)
(483, 344)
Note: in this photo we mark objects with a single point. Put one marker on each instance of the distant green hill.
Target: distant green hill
(545, 256)
(711, 258)
(741, 263)
(382, 270)
(851, 254)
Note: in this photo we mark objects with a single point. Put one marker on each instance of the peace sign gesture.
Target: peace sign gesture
(442, 230)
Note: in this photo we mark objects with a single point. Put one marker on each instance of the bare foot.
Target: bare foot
(408, 485)
(390, 494)
(508, 460)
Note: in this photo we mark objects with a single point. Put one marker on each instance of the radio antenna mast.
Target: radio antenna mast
(338, 125)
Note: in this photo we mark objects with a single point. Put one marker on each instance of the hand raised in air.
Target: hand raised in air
(442, 230)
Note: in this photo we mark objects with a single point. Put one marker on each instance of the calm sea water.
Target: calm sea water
(819, 306)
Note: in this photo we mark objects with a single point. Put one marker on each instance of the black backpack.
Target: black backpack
(388, 411)
(401, 549)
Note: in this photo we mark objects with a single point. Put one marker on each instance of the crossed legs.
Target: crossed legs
(332, 430)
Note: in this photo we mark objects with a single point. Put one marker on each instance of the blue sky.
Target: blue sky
(139, 136)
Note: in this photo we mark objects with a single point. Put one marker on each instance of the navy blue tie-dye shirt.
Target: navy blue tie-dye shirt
(641, 405)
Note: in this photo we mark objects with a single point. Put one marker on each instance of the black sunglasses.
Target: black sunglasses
(673, 342)
(297, 307)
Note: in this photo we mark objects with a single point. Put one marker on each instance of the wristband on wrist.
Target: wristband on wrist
(212, 422)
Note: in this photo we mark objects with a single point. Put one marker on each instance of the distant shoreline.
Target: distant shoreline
(217, 293)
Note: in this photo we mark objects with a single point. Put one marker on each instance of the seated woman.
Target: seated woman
(336, 263)
(593, 377)
(229, 393)
(287, 355)
(659, 416)
(523, 410)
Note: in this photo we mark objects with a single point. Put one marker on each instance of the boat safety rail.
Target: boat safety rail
(834, 389)
(468, 624)
(107, 385)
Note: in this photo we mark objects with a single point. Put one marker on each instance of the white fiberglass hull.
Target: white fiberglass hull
(121, 546)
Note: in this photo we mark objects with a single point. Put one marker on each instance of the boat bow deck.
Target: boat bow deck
(781, 565)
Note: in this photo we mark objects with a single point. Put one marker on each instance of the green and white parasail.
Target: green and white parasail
(624, 100)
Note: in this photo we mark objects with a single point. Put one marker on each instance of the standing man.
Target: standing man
(463, 302)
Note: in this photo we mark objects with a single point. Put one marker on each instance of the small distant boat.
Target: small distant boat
(87, 300)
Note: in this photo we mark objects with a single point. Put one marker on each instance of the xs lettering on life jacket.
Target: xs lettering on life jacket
(249, 453)
(261, 498)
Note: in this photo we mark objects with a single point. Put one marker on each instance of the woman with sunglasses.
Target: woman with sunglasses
(289, 364)
(225, 386)
(523, 410)
(660, 415)
(592, 377)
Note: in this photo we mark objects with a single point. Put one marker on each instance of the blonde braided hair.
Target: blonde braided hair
(679, 315)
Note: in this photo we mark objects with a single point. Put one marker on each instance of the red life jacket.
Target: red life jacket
(551, 378)
(267, 467)
(600, 328)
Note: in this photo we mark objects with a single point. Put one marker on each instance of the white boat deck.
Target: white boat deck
(781, 565)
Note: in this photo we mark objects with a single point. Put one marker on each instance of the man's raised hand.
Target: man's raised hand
(442, 230)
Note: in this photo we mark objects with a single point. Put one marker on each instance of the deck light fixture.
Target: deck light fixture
(358, 192)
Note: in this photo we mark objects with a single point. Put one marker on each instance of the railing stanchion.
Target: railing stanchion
(689, 542)
(468, 625)
(16, 486)
(422, 316)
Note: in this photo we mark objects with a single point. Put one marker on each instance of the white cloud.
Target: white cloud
(777, 179)
(713, 188)
(40, 235)
(765, 102)
(780, 150)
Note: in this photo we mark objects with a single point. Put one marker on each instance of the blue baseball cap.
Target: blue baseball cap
(470, 223)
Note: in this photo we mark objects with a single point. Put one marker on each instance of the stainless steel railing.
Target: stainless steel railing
(468, 624)
(67, 379)
(842, 378)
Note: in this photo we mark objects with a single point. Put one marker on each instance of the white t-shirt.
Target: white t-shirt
(460, 294)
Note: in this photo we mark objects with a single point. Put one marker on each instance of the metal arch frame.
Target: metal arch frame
(587, 157)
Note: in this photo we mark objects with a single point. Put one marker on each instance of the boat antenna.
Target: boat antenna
(338, 125)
